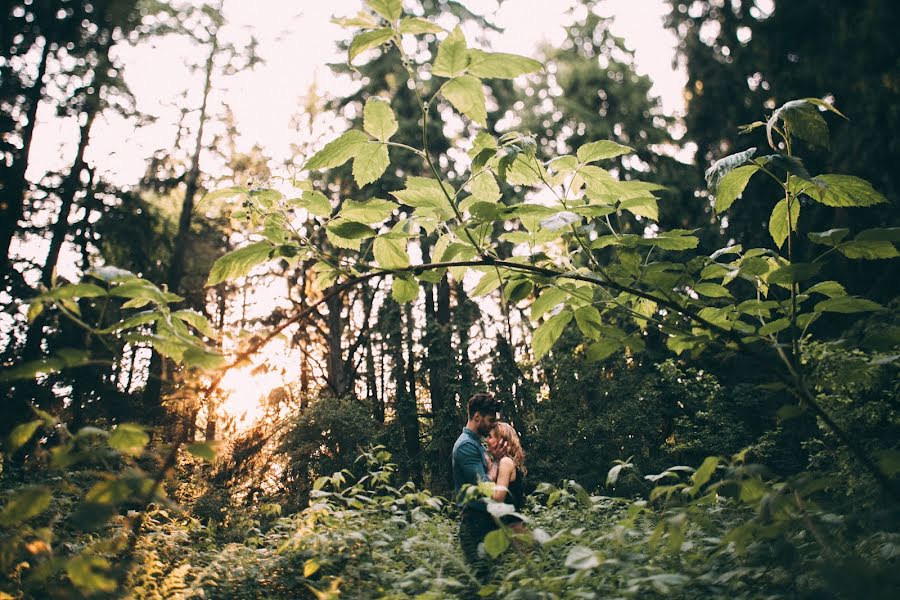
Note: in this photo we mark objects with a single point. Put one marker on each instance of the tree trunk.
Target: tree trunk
(153, 388)
(12, 205)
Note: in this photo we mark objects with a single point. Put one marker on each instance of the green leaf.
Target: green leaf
(370, 163)
(498, 65)
(673, 240)
(842, 191)
(202, 358)
(732, 185)
(601, 150)
(466, 95)
(488, 283)
(390, 253)
(338, 151)
(712, 290)
(239, 263)
(831, 289)
(63, 359)
(889, 462)
(581, 558)
(404, 289)
(366, 41)
(379, 120)
(517, 290)
(549, 299)
(452, 55)
(880, 234)
(75, 290)
(204, 450)
(417, 26)
(23, 504)
(832, 237)
(316, 203)
(726, 165)
(848, 305)
(602, 350)
(349, 230)
(389, 9)
(20, 435)
(362, 20)
(128, 438)
(496, 542)
(484, 187)
(868, 249)
(779, 228)
(589, 322)
(642, 207)
(91, 573)
(795, 273)
(803, 120)
(422, 192)
(368, 211)
(549, 331)
(704, 472)
(195, 320)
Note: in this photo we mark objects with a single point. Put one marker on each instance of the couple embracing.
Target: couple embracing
(503, 464)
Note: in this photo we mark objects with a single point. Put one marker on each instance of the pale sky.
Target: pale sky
(297, 41)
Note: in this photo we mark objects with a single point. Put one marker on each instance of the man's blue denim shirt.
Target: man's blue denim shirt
(469, 465)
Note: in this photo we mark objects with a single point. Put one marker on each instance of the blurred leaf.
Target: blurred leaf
(20, 435)
(91, 573)
(23, 504)
(581, 558)
(205, 450)
(63, 359)
(496, 542)
(128, 438)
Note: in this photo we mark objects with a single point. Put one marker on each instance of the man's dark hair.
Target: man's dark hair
(484, 403)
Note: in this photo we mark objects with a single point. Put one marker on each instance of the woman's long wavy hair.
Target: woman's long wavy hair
(514, 450)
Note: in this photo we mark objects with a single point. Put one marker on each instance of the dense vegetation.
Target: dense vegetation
(704, 375)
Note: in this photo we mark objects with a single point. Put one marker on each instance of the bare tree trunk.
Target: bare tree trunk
(13, 184)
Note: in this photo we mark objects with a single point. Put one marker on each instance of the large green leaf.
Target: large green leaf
(841, 190)
(417, 25)
(548, 332)
(370, 163)
(368, 40)
(802, 120)
(389, 9)
(868, 249)
(91, 573)
(601, 150)
(467, 96)
(732, 185)
(349, 230)
(642, 207)
(367, 211)
(549, 299)
(315, 203)
(589, 322)
(196, 320)
(423, 192)
(338, 151)
(832, 237)
(496, 542)
(404, 289)
(390, 252)
(452, 55)
(379, 120)
(677, 239)
(847, 305)
(497, 65)
(239, 263)
(779, 227)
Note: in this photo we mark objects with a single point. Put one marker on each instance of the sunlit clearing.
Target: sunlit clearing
(244, 393)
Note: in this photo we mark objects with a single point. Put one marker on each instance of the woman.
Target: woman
(509, 458)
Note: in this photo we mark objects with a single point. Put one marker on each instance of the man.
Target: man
(471, 466)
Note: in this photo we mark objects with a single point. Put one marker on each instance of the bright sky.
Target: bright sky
(297, 41)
